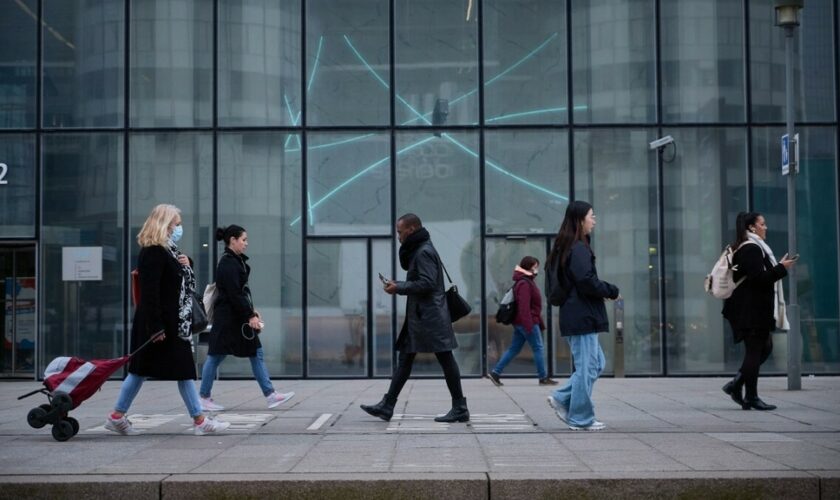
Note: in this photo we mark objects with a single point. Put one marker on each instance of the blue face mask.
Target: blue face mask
(177, 233)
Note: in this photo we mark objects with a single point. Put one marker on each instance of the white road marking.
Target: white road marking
(143, 422)
(319, 422)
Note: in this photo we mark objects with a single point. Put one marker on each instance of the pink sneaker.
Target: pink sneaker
(275, 399)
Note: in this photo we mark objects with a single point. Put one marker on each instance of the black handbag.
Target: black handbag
(458, 307)
(199, 317)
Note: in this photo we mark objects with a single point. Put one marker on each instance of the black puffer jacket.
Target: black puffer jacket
(233, 308)
(584, 311)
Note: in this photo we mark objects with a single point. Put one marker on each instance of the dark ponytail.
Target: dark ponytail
(742, 225)
(226, 233)
(570, 232)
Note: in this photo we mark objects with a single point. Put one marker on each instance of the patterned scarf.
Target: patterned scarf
(185, 298)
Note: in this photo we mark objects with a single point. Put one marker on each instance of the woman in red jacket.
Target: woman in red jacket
(528, 324)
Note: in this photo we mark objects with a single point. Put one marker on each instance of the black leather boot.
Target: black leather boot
(383, 409)
(734, 388)
(757, 404)
(458, 413)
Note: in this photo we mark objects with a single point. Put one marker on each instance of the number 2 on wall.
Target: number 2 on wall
(4, 169)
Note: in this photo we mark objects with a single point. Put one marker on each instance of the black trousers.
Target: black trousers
(759, 345)
(447, 362)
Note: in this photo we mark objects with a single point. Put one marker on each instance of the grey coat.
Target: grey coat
(427, 327)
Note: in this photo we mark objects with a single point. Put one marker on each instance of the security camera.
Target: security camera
(661, 142)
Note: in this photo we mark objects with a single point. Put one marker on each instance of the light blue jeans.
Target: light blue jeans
(534, 338)
(576, 394)
(211, 366)
(132, 384)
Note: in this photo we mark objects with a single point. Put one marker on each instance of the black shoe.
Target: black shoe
(458, 413)
(383, 409)
(548, 381)
(757, 404)
(734, 387)
(495, 378)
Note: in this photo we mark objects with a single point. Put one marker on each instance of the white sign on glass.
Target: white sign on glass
(81, 263)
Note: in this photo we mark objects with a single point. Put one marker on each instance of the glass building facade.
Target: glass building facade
(315, 123)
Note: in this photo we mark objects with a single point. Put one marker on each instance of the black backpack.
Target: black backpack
(557, 288)
(507, 307)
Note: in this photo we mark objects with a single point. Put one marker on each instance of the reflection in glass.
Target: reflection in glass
(613, 65)
(17, 196)
(171, 75)
(383, 310)
(84, 62)
(437, 179)
(526, 177)
(83, 181)
(813, 63)
(347, 61)
(524, 61)
(259, 189)
(618, 177)
(704, 189)
(349, 183)
(18, 54)
(175, 168)
(259, 63)
(702, 52)
(436, 57)
(816, 224)
(337, 308)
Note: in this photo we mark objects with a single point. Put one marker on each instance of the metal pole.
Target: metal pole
(794, 340)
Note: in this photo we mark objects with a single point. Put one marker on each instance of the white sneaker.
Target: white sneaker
(121, 426)
(561, 411)
(594, 426)
(207, 404)
(210, 426)
(275, 399)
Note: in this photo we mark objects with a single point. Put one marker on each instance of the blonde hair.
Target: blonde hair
(155, 231)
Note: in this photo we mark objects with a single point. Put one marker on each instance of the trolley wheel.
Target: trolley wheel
(63, 402)
(74, 423)
(46, 406)
(37, 417)
(62, 430)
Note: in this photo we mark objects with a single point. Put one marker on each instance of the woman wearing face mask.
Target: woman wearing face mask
(236, 324)
(167, 283)
(528, 324)
(756, 307)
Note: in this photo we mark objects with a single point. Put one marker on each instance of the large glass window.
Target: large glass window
(18, 54)
(171, 75)
(82, 207)
(383, 308)
(813, 64)
(613, 62)
(259, 189)
(816, 223)
(704, 189)
(526, 176)
(524, 61)
(17, 186)
(84, 61)
(259, 63)
(702, 52)
(617, 174)
(349, 183)
(347, 61)
(436, 54)
(437, 179)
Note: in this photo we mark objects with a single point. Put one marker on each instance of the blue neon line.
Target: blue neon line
(289, 109)
(525, 113)
(375, 74)
(309, 203)
(315, 66)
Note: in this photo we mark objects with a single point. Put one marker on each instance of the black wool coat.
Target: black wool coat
(584, 310)
(427, 326)
(750, 307)
(233, 308)
(160, 288)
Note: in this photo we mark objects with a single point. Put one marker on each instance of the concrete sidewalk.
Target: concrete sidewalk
(664, 438)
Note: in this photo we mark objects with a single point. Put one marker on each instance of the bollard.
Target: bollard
(618, 351)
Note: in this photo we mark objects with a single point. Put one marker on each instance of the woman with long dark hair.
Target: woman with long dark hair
(756, 307)
(582, 316)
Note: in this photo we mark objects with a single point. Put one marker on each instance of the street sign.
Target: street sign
(786, 158)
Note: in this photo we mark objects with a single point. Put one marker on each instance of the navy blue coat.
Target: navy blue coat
(584, 311)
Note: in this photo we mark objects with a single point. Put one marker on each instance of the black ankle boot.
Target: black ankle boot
(458, 413)
(383, 409)
(734, 388)
(757, 404)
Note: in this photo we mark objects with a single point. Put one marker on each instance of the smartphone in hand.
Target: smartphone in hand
(383, 279)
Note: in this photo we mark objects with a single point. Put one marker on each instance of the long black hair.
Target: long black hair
(570, 232)
(226, 233)
(742, 225)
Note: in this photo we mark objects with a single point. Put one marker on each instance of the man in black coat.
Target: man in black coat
(427, 327)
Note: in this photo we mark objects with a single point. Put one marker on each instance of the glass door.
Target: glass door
(17, 311)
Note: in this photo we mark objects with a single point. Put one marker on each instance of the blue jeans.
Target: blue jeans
(132, 384)
(211, 366)
(576, 395)
(534, 338)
